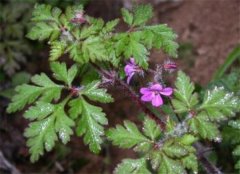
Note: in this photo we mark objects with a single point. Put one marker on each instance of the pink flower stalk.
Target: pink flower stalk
(153, 94)
(79, 18)
(169, 66)
(131, 68)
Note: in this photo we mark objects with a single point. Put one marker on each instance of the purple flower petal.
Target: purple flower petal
(129, 69)
(157, 100)
(130, 77)
(156, 87)
(144, 90)
(166, 91)
(147, 97)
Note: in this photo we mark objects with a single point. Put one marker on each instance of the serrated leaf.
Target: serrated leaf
(151, 129)
(96, 94)
(204, 128)
(187, 139)
(170, 166)
(93, 49)
(75, 108)
(110, 26)
(91, 125)
(40, 111)
(45, 13)
(126, 137)
(142, 13)
(42, 133)
(127, 16)
(137, 50)
(219, 104)
(184, 99)
(63, 124)
(57, 49)
(75, 53)
(175, 150)
(27, 94)
(132, 166)
(42, 31)
(61, 73)
(190, 162)
(160, 36)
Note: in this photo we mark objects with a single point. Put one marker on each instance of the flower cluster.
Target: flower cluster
(154, 91)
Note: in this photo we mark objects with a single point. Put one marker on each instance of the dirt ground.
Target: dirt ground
(213, 28)
(209, 29)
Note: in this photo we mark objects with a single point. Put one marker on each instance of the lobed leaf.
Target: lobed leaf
(184, 99)
(91, 125)
(96, 94)
(219, 104)
(151, 129)
(126, 137)
(61, 73)
(132, 166)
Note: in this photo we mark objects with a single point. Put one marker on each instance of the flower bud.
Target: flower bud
(169, 66)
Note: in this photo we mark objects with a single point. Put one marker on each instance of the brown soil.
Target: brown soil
(211, 26)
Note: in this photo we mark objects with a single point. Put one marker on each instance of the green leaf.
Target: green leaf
(57, 49)
(40, 111)
(110, 26)
(42, 31)
(93, 49)
(169, 166)
(75, 53)
(126, 137)
(142, 13)
(236, 151)
(184, 99)
(45, 13)
(132, 166)
(27, 94)
(151, 129)
(160, 36)
(91, 125)
(61, 73)
(219, 104)
(96, 94)
(137, 50)
(63, 124)
(42, 133)
(174, 150)
(204, 128)
(187, 139)
(127, 16)
(75, 108)
(235, 124)
(190, 162)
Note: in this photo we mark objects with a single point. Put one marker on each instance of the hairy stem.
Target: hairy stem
(207, 165)
(133, 94)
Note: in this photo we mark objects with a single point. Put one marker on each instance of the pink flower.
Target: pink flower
(153, 93)
(131, 68)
